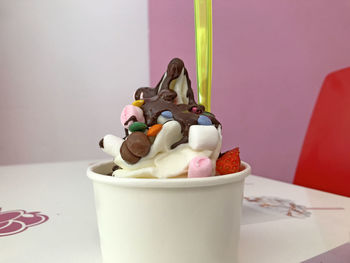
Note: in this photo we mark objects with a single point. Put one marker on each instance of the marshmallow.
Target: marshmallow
(200, 167)
(203, 137)
(129, 111)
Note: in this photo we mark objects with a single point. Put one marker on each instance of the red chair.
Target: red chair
(324, 162)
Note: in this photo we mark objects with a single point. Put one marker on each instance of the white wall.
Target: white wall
(67, 68)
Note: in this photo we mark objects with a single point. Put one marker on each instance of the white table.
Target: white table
(64, 193)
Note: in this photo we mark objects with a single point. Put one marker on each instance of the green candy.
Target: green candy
(137, 126)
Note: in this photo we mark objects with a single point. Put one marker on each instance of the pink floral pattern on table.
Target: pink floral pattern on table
(280, 206)
(16, 221)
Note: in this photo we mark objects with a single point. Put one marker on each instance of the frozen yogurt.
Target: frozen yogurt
(167, 134)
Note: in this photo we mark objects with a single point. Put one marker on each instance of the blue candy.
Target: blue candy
(167, 114)
(204, 120)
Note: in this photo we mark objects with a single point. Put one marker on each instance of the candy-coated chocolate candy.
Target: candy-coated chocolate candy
(137, 126)
(167, 114)
(200, 167)
(130, 114)
(204, 120)
(138, 144)
(138, 103)
(153, 131)
(196, 110)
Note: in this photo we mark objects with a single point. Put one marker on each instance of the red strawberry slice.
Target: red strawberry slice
(229, 162)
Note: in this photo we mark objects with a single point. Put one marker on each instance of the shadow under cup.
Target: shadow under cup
(182, 220)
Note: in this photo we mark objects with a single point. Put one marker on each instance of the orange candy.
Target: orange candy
(153, 130)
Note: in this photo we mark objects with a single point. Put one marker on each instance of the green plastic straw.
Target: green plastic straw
(204, 53)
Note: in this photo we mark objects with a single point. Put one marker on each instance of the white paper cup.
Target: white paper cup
(182, 220)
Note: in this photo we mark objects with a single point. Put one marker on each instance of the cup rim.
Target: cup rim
(165, 182)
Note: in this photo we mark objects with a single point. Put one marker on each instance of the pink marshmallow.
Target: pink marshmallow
(200, 167)
(129, 111)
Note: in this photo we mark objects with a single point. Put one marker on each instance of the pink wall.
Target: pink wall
(270, 58)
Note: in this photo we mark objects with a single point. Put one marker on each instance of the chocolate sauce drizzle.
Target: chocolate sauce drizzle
(162, 98)
(133, 119)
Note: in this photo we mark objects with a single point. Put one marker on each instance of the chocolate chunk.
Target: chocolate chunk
(127, 155)
(138, 144)
(101, 143)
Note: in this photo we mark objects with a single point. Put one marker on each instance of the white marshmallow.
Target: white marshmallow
(203, 137)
